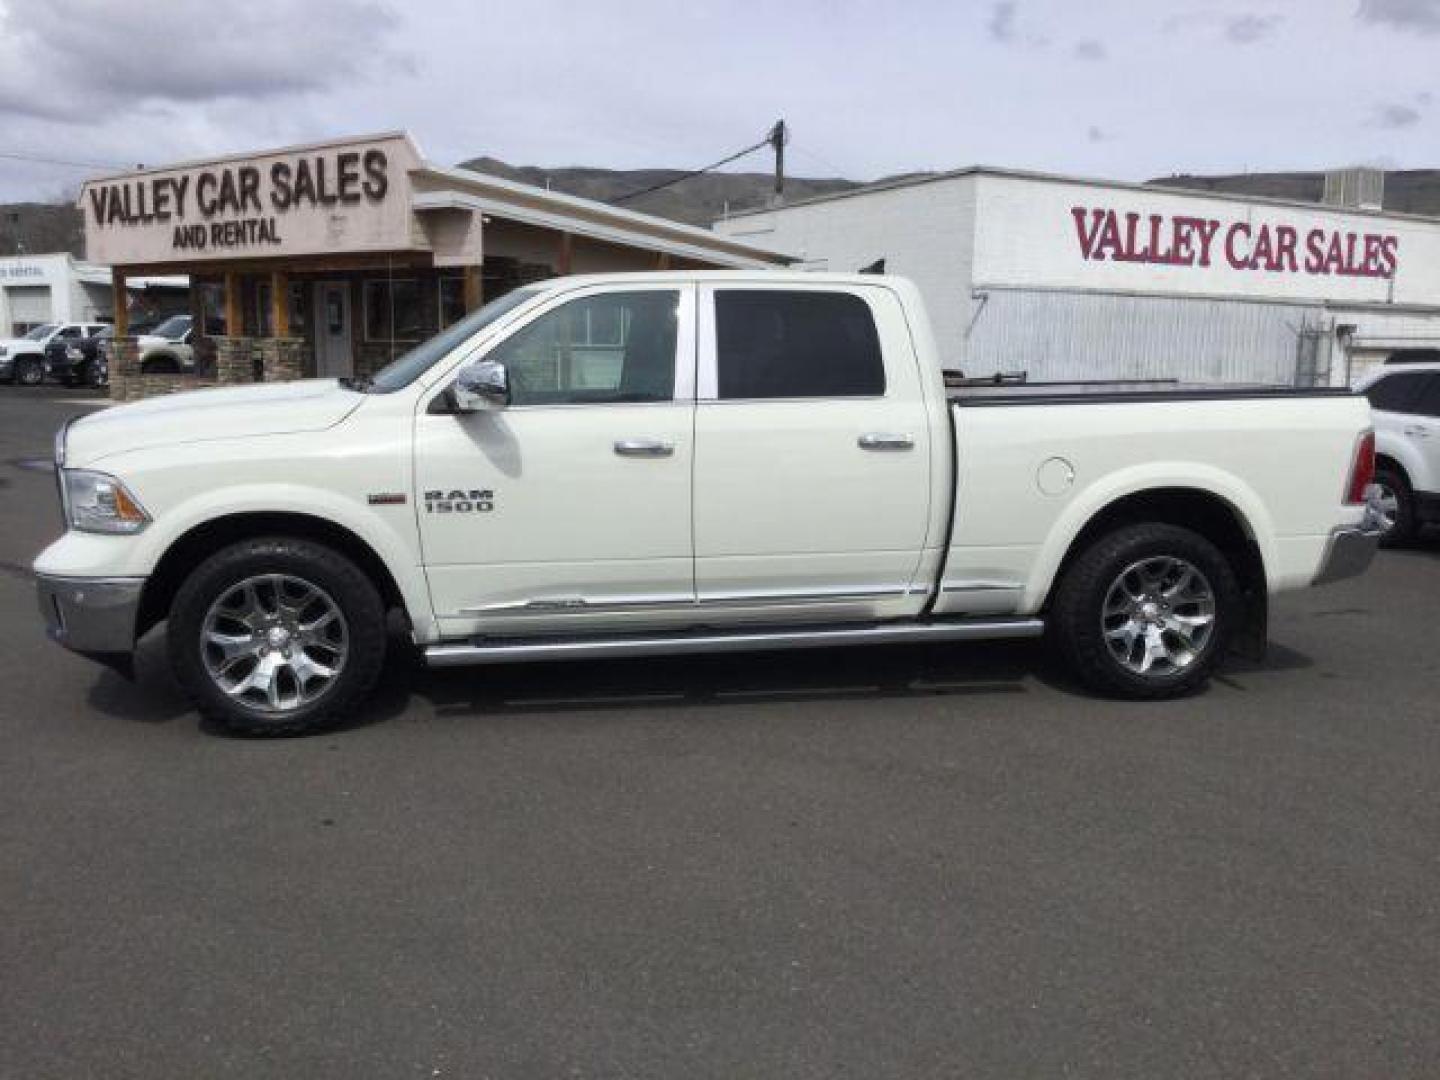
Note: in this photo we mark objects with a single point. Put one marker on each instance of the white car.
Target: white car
(1405, 399)
(22, 359)
(169, 347)
(638, 464)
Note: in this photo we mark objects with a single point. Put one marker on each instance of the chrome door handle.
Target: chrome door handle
(644, 448)
(879, 440)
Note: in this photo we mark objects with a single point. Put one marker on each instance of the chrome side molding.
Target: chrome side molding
(514, 651)
(611, 604)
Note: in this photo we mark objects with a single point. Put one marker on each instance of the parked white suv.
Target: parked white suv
(22, 359)
(1405, 402)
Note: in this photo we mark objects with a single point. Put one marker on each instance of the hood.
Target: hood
(202, 415)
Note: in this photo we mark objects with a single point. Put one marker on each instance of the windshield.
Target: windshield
(41, 332)
(409, 366)
(173, 327)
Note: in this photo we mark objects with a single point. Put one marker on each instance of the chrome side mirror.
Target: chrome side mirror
(482, 387)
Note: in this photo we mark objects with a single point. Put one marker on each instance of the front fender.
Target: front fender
(79, 554)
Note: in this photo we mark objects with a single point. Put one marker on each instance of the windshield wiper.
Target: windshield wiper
(360, 384)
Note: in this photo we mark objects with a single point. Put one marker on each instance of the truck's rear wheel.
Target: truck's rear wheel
(277, 636)
(1146, 612)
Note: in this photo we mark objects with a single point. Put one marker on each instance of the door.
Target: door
(571, 508)
(1423, 427)
(812, 455)
(333, 359)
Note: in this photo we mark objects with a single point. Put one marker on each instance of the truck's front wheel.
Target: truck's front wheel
(1146, 611)
(277, 636)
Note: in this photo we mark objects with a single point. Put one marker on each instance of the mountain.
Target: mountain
(698, 200)
(1407, 191)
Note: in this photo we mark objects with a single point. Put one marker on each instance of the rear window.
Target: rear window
(771, 343)
(1396, 393)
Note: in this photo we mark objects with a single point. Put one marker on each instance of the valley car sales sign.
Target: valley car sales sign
(1271, 247)
(350, 196)
(1036, 231)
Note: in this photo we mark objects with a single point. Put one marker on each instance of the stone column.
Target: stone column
(282, 359)
(124, 369)
(234, 360)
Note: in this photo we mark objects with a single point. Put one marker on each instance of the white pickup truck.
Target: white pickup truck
(645, 464)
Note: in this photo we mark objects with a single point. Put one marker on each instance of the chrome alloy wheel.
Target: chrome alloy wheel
(1158, 616)
(274, 642)
(1387, 502)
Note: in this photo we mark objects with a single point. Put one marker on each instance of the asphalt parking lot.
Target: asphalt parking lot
(897, 862)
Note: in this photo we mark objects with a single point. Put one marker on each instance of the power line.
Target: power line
(39, 160)
(772, 137)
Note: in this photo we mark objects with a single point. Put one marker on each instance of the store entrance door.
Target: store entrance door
(333, 358)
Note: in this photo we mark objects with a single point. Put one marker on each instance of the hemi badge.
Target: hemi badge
(388, 498)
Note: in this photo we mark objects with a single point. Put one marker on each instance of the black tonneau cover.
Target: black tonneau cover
(1079, 393)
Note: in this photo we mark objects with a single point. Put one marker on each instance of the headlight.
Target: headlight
(72, 353)
(98, 503)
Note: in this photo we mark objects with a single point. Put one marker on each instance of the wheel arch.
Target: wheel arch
(202, 540)
(1205, 512)
(1383, 460)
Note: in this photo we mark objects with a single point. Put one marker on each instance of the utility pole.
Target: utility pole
(778, 136)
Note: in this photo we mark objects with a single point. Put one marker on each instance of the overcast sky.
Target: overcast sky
(1115, 88)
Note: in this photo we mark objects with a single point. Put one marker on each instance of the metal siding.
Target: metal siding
(1071, 335)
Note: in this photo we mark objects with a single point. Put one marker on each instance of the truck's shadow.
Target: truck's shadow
(891, 674)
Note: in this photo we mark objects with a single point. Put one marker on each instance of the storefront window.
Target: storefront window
(298, 308)
(452, 301)
(212, 303)
(395, 311)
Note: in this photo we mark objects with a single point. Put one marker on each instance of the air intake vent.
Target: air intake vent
(1360, 188)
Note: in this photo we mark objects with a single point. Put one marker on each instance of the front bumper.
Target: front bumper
(94, 616)
(1349, 550)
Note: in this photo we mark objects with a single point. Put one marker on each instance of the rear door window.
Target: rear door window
(773, 343)
(1396, 393)
(1427, 401)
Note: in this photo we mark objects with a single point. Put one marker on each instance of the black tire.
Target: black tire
(160, 365)
(1076, 622)
(336, 578)
(1394, 482)
(29, 371)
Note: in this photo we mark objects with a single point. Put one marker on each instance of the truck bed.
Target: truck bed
(1077, 393)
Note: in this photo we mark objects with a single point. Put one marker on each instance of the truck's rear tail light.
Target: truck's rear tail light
(1362, 472)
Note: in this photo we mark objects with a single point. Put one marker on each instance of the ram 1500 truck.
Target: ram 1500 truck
(644, 464)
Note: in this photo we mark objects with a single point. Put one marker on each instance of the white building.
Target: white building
(37, 289)
(1066, 278)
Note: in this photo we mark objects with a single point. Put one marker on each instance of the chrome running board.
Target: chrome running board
(520, 650)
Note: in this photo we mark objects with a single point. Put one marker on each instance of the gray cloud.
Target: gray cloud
(1091, 49)
(114, 58)
(1001, 24)
(1094, 134)
(1394, 115)
(1248, 29)
(1420, 16)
